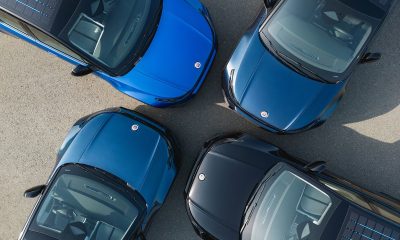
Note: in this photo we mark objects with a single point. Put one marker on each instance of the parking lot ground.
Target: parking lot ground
(40, 100)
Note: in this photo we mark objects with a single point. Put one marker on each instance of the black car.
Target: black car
(244, 188)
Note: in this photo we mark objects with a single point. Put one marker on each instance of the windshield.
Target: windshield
(325, 35)
(81, 205)
(291, 209)
(110, 33)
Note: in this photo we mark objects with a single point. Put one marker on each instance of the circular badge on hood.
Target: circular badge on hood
(135, 127)
(264, 114)
(197, 65)
(202, 177)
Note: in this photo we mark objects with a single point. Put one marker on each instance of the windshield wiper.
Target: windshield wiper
(259, 189)
(295, 65)
(300, 68)
(103, 175)
(247, 220)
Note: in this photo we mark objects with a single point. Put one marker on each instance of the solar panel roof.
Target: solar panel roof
(41, 13)
(361, 226)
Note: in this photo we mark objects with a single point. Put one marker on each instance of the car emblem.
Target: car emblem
(135, 127)
(202, 177)
(197, 65)
(264, 114)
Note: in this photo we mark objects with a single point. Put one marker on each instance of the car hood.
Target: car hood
(218, 203)
(262, 83)
(183, 38)
(108, 142)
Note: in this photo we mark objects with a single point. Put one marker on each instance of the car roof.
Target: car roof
(359, 222)
(40, 13)
(373, 8)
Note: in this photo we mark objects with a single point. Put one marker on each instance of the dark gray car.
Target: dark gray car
(243, 188)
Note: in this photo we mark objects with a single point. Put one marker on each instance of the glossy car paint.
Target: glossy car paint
(228, 169)
(255, 81)
(143, 158)
(166, 73)
(233, 167)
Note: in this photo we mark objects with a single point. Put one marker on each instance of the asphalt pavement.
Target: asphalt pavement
(40, 100)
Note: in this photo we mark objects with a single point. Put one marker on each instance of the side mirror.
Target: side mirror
(370, 57)
(81, 70)
(270, 3)
(316, 167)
(35, 191)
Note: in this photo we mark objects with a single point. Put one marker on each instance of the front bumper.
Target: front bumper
(163, 102)
(205, 149)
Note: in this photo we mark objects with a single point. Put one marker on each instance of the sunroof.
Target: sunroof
(360, 226)
(39, 12)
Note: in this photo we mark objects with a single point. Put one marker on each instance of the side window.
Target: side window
(15, 23)
(11, 21)
(349, 195)
(44, 38)
(363, 202)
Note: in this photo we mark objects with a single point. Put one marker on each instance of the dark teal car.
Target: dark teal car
(113, 173)
(290, 69)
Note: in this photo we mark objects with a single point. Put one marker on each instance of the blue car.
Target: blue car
(290, 70)
(158, 52)
(113, 172)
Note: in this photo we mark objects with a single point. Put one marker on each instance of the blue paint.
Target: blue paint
(136, 154)
(144, 158)
(167, 70)
(255, 81)
(165, 75)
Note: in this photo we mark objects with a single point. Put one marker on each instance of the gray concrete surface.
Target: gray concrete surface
(39, 101)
